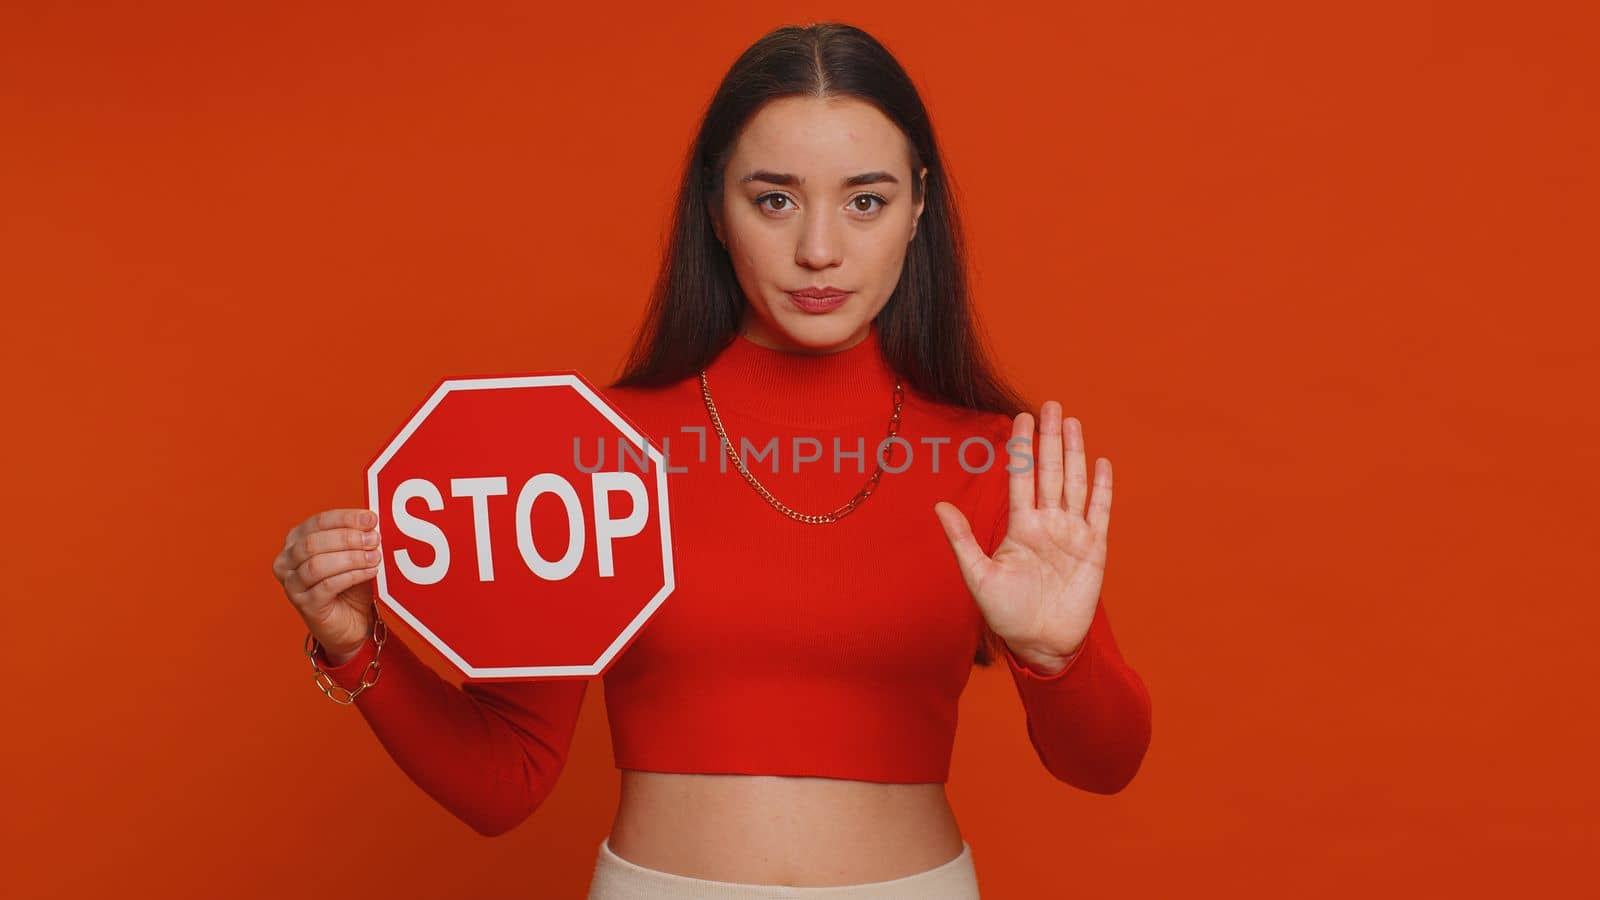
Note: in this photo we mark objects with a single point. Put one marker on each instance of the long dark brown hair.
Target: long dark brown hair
(927, 330)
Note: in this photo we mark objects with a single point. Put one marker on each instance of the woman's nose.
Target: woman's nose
(819, 247)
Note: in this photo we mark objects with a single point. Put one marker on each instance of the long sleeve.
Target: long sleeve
(489, 752)
(1090, 722)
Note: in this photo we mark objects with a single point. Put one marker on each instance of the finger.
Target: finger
(1021, 483)
(329, 541)
(294, 555)
(1100, 502)
(1077, 474)
(969, 553)
(332, 518)
(1049, 455)
(281, 567)
(326, 565)
(325, 590)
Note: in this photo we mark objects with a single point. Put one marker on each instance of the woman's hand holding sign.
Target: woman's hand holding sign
(1039, 590)
(326, 568)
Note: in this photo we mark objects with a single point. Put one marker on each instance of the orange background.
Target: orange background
(1320, 283)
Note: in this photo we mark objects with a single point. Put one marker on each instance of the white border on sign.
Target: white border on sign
(527, 381)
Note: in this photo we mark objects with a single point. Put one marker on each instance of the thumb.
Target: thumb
(969, 553)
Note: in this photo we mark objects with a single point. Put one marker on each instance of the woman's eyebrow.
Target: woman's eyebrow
(786, 178)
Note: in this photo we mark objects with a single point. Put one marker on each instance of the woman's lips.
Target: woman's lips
(815, 302)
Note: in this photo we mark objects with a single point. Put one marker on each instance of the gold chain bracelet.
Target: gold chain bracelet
(369, 676)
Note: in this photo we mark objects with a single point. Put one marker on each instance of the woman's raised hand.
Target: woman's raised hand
(326, 569)
(1039, 590)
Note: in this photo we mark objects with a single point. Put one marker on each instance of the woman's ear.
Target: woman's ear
(716, 223)
(922, 197)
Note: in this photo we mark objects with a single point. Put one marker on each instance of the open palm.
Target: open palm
(1039, 590)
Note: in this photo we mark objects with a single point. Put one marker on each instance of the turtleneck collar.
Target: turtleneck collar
(803, 389)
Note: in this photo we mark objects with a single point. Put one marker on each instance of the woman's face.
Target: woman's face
(817, 194)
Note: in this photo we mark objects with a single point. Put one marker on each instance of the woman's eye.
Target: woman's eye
(765, 197)
(856, 203)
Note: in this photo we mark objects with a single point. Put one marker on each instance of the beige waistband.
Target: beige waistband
(618, 879)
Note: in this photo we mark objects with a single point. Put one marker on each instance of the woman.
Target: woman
(783, 725)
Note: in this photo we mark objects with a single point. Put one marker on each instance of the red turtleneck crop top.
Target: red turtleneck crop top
(786, 648)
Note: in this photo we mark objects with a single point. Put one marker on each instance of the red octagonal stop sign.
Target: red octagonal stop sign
(525, 526)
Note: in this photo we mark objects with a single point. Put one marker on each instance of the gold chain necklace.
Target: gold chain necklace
(811, 519)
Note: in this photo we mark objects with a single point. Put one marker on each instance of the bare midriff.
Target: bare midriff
(774, 829)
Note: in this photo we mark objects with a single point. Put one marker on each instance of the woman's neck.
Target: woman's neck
(852, 384)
